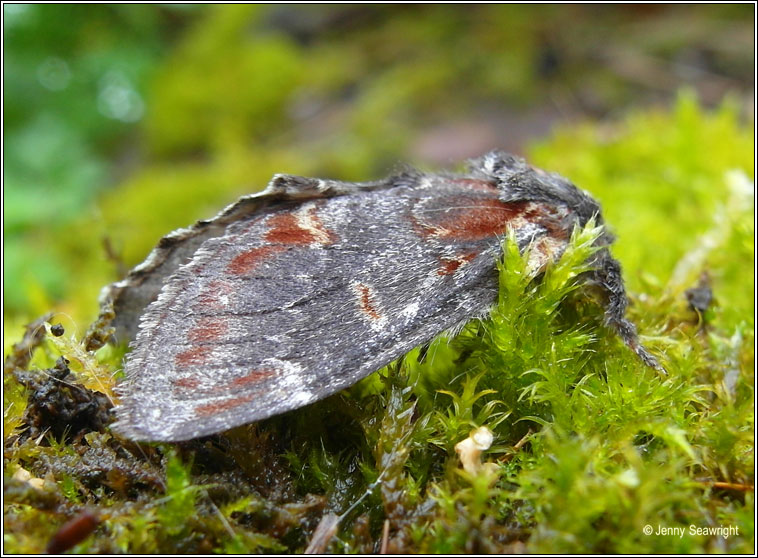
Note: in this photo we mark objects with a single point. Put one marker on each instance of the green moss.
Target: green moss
(179, 503)
(663, 180)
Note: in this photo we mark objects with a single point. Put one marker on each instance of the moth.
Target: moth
(292, 294)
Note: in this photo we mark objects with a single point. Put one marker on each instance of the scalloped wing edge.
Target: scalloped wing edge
(131, 295)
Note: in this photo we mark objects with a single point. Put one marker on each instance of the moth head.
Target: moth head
(518, 181)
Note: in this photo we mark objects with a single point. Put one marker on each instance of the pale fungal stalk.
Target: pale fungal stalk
(470, 451)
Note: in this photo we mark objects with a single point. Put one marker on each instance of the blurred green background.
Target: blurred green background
(123, 122)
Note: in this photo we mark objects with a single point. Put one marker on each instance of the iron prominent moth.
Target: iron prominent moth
(295, 293)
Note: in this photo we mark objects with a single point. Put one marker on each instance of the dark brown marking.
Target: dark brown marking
(210, 409)
(245, 262)
(252, 378)
(195, 355)
(207, 328)
(186, 383)
(448, 266)
(469, 218)
(367, 305)
(451, 265)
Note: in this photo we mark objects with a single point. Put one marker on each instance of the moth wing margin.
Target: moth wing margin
(131, 296)
(132, 421)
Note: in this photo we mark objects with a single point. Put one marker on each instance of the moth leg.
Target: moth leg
(607, 275)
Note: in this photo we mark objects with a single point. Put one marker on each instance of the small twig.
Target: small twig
(516, 447)
(73, 532)
(520, 444)
(385, 537)
(326, 529)
(220, 515)
(329, 524)
(729, 485)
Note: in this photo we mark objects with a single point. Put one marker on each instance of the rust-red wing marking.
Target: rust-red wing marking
(285, 230)
(186, 383)
(248, 260)
(252, 378)
(207, 329)
(210, 409)
(299, 229)
(451, 265)
(211, 298)
(482, 218)
(469, 218)
(366, 302)
(193, 356)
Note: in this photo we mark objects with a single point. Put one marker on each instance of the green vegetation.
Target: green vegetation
(590, 445)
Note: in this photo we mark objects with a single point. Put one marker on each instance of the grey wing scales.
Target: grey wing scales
(291, 306)
(131, 296)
